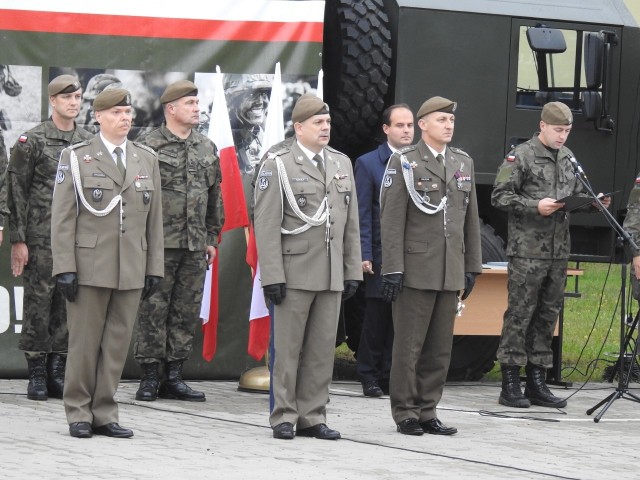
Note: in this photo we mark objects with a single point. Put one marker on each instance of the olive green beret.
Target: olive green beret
(179, 89)
(556, 113)
(307, 106)
(437, 104)
(63, 84)
(112, 97)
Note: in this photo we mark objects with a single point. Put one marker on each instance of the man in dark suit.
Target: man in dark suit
(376, 340)
(108, 249)
(430, 252)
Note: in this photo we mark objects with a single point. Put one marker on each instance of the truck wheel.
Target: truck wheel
(474, 355)
(356, 61)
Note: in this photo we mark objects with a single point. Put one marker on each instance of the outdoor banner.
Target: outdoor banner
(144, 46)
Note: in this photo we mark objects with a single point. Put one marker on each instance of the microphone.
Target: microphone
(576, 166)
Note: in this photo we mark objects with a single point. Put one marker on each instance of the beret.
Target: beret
(112, 97)
(307, 106)
(179, 89)
(63, 84)
(556, 113)
(437, 104)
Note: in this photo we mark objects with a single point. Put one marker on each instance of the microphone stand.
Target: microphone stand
(624, 239)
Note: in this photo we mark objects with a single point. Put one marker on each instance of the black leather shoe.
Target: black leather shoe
(80, 430)
(320, 431)
(436, 427)
(283, 431)
(371, 389)
(410, 426)
(113, 430)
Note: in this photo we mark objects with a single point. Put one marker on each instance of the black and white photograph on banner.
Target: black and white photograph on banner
(247, 98)
(20, 100)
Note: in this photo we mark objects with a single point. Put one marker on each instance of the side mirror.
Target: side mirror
(591, 105)
(546, 40)
(593, 51)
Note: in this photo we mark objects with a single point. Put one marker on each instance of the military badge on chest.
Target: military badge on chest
(97, 195)
(302, 201)
(146, 197)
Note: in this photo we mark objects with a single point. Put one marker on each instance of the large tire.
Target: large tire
(474, 355)
(356, 61)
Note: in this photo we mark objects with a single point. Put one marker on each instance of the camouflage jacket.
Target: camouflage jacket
(193, 214)
(528, 174)
(632, 219)
(3, 185)
(31, 177)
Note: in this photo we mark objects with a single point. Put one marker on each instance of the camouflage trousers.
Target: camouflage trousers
(536, 292)
(44, 323)
(168, 318)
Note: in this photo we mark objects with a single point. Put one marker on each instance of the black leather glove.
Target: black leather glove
(68, 285)
(391, 286)
(469, 282)
(350, 287)
(275, 293)
(151, 283)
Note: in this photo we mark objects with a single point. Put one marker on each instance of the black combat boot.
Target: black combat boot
(37, 388)
(511, 394)
(56, 364)
(537, 390)
(175, 388)
(148, 391)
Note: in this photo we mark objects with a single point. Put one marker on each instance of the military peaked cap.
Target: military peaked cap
(307, 106)
(179, 89)
(112, 97)
(63, 84)
(556, 113)
(437, 104)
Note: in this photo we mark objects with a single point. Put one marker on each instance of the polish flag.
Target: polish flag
(235, 210)
(259, 320)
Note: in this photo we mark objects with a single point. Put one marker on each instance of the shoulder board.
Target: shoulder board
(333, 150)
(84, 143)
(408, 148)
(457, 150)
(144, 147)
(280, 151)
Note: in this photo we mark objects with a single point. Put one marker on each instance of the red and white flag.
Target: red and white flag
(259, 321)
(235, 210)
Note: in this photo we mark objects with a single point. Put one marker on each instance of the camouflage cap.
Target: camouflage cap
(307, 106)
(63, 84)
(112, 97)
(179, 89)
(437, 104)
(556, 113)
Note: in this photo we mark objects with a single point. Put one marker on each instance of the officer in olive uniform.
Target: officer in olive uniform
(30, 181)
(532, 177)
(306, 224)
(107, 244)
(430, 251)
(193, 217)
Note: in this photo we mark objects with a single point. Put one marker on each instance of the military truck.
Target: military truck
(501, 61)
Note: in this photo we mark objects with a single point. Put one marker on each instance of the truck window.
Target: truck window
(562, 82)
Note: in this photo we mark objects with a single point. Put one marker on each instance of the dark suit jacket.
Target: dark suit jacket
(369, 172)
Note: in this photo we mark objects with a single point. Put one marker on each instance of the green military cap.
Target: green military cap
(63, 84)
(112, 97)
(556, 113)
(437, 104)
(179, 89)
(307, 106)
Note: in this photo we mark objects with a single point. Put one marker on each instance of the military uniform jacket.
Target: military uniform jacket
(528, 174)
(3, 185)
(31, 178)
(191, 199)
(94, 247)
(632, 219)
(301, 261)
(433, 251)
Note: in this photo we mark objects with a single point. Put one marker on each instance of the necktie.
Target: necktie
(440, 159)
(119, 162)
(319, 164)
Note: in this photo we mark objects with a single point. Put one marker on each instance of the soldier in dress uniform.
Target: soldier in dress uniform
(193, 217)
(430, 251)
(107, 244)
(30, 180)
(306, 225)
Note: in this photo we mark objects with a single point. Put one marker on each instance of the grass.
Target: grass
(591, 337)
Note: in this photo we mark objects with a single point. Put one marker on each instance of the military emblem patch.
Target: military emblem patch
(97, 195)
(86, 158)
(511, 158)
(263, 183)
(302, 201)
(387, 181)
(146, 197)
(63, 167)
(60, 177)
(22, 139)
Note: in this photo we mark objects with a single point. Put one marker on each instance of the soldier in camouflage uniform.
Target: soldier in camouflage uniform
(632, 225)
(30, 181)
(193, 217)
(531, 178)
